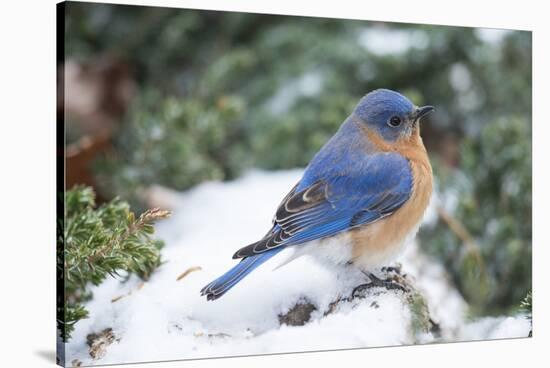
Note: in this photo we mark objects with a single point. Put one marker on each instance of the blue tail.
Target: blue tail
(222, 284)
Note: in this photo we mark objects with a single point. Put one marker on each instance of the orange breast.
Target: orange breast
(376, 244)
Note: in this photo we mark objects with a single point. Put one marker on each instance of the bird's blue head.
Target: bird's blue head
(390, 114)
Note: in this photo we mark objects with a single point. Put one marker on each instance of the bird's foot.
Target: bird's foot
(392, 269)
(391, 283)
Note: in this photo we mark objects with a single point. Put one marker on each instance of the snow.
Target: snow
(166, 319)
(492, 35)
(384, 41)
(495, 328)
(309, 84)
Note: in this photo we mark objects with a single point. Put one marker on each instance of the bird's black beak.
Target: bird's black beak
(421, 111)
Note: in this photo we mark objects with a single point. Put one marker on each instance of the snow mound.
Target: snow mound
(166, 319)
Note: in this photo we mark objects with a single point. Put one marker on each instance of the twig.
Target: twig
(146, 217)
(461, 232)
(116, 299)
(188, 271)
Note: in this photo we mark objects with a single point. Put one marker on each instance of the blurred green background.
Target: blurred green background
(174, 97)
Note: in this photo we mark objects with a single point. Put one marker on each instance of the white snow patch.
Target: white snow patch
(385, 41)
(492, 35)
(495, 328)
(309, 84)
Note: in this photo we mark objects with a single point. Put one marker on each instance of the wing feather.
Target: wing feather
(337, 201)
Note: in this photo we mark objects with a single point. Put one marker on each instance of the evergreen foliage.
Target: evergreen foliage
(176, 142)
(102, 241)
(493, 201)
(527, 307)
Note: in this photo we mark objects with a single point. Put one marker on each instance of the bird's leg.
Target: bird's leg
(389, 284)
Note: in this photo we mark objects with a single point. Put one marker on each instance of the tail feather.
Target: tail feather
(222, 284)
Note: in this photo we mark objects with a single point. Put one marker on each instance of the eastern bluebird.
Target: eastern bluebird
(361, 197)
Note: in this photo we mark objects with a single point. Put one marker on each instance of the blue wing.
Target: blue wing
(351, 190)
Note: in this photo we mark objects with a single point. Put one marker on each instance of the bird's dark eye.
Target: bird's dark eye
(395, 121)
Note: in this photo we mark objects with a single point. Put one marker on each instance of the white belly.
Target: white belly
(333, 251)
(375, 257)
